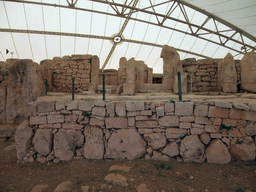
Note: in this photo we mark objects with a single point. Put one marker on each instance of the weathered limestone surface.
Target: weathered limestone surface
(129, 86)
(171, 149)
(94, 73)
(245, 150)
(25, 85)
(171, 60)
(248, 72)
(139, 68)
(94, 146)
(155, 140)
(65, 143)
(125, 144)
(46, 72)
(23, 136)
(227, 75)
(192, 149)
(3, 96)
(217, 152)
(43, 141)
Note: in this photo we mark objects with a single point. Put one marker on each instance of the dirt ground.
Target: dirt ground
(158, 176)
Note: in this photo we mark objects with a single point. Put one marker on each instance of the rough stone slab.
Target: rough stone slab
(55, 119)
(116, 122)
(173, 133)
(160, 111)
(184, 108)
(241, 106)
(235, 114)
(248, 115)
(129, 88)
(217, 121)
(135, 105)
(218, 112)
(245, 150)
(96, 122)
(85, 105)
(155, 140)
(194, 125)
(71, 118)
(37, 120)
(185, 125)
(144, 131)
(110, 109)
(233, 122)
(72, 105)
(146, 124)
(187, 119)
(169, 121)
(250, 130)
(145, 118)
(223, 104)
(99, 111)
(131, 122)
(171, 149)
(205, 138)
(72, 126)
(211, 128)
(253, 107)
(45, 106)
(203, 121)
(116, 179)
(201, 110)
(196, 131)
(146, 113)
(60, 105)
(43, 141)
(169, 107)
(216, 135)
(120, 109)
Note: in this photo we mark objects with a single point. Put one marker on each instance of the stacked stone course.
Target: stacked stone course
(135, 129)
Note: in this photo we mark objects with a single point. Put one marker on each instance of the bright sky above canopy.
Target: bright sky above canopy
(88, 26)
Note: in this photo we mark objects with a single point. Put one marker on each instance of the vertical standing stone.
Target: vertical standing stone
(227, 76)
(94, 73)
(171, 59)
(122, 64)
(139, 66)
(129, 86)
(248, 72)
(150, 75)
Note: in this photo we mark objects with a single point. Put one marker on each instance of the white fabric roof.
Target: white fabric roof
(43, 29)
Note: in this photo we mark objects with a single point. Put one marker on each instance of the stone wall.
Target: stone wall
(83, 68)
(194, 132)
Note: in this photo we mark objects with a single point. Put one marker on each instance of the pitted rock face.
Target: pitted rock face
(65, 143)
(23, 137)
(43, 141)
(125, 143)
(155, 140)
(192, 149)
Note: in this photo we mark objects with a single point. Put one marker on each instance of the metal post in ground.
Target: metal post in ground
(73, 90)
(103, 86)
(179, 86)
(46, 86)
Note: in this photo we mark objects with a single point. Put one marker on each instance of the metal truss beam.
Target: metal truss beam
(92, 36)
(162, 18)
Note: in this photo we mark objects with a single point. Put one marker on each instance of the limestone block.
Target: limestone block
(205, 138)
(248, 115)
(184, 108)
(187, 119)
(110, 109)
(218, 112)
(65, 143)
(201, 110)
(169, 107)
(192, 149)
(131, 122)
(85, 105)
(55, 118)
(37, 120)
(94, 73)
(72, 126)
(250, 130)
(60, 105)
(71, 118)
(194, 125)
(139, 68)
(234, 114)
(173, 133)
(203, 121)
(45, 106)
(143, 131)
(99, 111)
(217, 152)
(72, 105)
(120, 109)
(157, 156)
(100, 103)
(42, 141)
(169, 121)
(253, 107)
(146, 124)
(128, 88)
(146, 118)
(23, 136)
(248, 72)
(241, 106)
(196, 131)
(155, 140)
(211, 128)
(244, 151)
(216, 135)
(96, 122)
(160, 111)
(231, 133)
(171, 149)
(185, 125)
(134, 105)
(125, 143)
(116, 122)
(223, 104)
(94, 146)
(146, 113)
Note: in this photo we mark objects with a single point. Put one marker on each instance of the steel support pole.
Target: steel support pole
(103, 86)
(179, 86)
(73, 89)
(46, 86)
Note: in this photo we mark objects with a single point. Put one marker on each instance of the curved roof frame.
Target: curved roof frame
(127, 10)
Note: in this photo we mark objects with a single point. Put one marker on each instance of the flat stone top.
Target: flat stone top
(246, 98)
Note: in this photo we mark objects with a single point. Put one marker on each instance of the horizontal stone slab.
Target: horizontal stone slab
(146, 124)
(37, 120)
(72, 126)
(116, 122)
(174, 133)
(169, 121)
(55, 118)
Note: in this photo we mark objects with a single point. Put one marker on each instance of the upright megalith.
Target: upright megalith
(46, 72)
(129, 86)
(139, 68)
(227, 75)
(171, 61)
(248, 72)
(95, 72)
(122, 71)
(24, 85)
